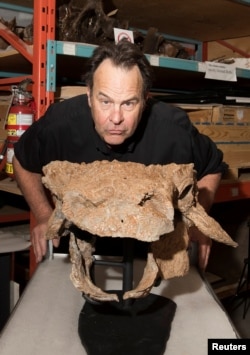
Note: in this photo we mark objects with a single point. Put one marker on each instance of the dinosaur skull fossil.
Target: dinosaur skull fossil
(155, 204)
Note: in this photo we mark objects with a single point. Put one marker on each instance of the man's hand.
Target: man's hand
(39, 241)
(204, 246)
(207, 186)
(33, 190)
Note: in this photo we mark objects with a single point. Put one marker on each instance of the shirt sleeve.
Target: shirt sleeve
(27, 149)
(207, 158)
(40, 143)
(48, 138)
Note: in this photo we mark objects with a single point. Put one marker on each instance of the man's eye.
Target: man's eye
(105, 103)
(129, 105)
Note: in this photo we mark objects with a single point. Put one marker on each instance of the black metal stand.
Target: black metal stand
(126, 264)
(140, 326)
(245, 280)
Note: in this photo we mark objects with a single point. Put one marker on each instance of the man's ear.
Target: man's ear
(148, 95)
(88, 92)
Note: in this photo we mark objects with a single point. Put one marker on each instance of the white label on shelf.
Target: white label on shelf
(154, 60)
(69, 48)
(201, 67)
(220, 71)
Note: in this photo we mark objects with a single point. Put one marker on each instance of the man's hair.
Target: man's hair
(123, 54)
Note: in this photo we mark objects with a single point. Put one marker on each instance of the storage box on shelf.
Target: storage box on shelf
(229, 125)
(229, 128)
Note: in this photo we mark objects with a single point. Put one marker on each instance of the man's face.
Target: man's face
(116, 102)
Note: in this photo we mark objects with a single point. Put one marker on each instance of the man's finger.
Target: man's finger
(56, 242)
(204, 253)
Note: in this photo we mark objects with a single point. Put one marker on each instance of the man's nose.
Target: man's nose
(116, 115)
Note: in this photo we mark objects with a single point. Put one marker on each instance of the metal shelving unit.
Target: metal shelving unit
(44, 29)
(42, 55)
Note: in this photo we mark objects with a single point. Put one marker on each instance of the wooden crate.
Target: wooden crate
(236, 114)
(229, 128)
(203, 113)
(217, 113)
(234, 141)
(66, 92)
(226, 133)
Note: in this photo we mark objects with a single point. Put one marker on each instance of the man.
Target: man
(115, 120)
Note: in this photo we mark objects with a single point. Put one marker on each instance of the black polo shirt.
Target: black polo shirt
(164, 135)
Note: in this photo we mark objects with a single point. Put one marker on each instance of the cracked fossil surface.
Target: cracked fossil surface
(155, 204)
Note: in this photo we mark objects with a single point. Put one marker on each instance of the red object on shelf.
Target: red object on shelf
(233, 191)
(20, 118)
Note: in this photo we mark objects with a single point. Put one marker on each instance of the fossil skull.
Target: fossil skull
(155, 204)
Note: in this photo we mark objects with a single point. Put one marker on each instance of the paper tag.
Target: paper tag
(121, 34)
(69, 49)
(201, 67)
(220, 71)
(154, 60)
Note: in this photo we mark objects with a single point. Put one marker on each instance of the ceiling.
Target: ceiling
(203, 20)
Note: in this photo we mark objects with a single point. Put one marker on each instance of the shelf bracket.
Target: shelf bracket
(51, 66)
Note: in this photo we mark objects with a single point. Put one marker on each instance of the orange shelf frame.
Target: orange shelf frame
(16, 42)
(44, 29)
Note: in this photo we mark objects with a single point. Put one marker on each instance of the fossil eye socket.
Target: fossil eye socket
(185, 191)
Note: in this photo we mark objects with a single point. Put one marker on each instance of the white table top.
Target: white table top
(46, 318)
(14, 238)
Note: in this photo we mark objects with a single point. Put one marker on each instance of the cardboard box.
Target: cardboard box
(66, 92)
(234, 141)
(236, 114)
(203, 113)
(217, 113)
